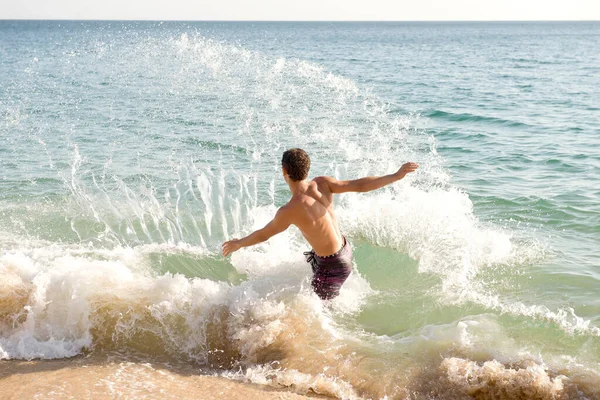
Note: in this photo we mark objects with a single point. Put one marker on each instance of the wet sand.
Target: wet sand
(95, 377)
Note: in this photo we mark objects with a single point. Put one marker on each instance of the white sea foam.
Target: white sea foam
(59, 296)
(300, 382)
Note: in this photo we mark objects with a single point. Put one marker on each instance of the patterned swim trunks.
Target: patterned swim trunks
(330, 272)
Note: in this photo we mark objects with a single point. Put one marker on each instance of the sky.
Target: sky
(304, 10)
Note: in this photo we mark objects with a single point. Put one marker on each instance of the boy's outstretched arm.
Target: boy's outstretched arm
(280, 223)
(369, 183)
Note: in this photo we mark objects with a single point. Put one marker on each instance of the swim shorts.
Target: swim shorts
(330, 272)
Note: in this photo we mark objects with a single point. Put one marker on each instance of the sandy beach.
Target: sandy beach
(114, 377)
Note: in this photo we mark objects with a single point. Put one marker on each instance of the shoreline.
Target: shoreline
(119, 376)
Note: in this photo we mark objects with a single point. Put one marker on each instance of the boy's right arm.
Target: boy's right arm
(368, 183)
(278, 224)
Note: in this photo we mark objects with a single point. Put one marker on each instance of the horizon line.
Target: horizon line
(291, 20)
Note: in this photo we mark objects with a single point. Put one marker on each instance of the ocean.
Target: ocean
(130, 151)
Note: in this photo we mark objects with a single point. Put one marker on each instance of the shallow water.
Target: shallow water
(130, 151)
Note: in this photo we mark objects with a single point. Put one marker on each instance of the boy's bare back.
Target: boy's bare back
(311, 210)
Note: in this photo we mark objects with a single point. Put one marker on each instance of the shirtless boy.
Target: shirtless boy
(311, 210)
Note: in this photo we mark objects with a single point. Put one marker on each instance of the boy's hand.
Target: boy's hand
(406, 169)
(231, 246)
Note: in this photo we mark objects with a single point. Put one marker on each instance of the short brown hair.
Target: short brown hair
(297, 164)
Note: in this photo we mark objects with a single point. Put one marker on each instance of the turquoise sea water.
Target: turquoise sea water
(130, 151)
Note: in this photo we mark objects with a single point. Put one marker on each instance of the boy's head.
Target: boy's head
(296, 164)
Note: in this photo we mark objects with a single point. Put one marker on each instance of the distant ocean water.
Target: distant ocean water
(129, 151)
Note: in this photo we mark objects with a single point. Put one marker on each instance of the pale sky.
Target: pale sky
(304, 10)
